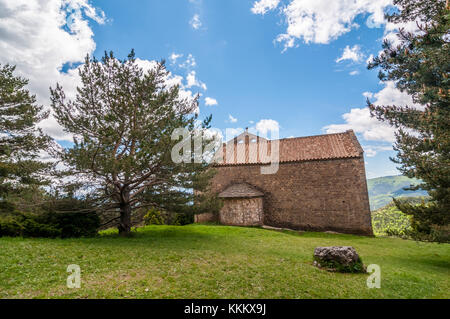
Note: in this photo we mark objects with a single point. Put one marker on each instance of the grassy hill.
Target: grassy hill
(199, 261)
(382, 189)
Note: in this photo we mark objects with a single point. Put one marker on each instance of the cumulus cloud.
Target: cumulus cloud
(320, 21)
(360, 121)
(263, 6)
(210, 101)
(146, 65)
(187, 66)
(353, 54)
(192, 81)
(195, 22)
(368, 95)
(267, 125)
(170, 80)
(370, 128)
(355, 72)
(48, 40)
(42, 37)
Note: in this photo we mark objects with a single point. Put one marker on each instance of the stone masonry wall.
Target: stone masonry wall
(326, 195)
(242, 211)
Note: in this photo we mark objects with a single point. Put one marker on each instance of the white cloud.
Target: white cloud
(368, 95)
(264, 126)
(320, 21)
(390, 95)
(390, 31)
(353, 54)
(360, 121)
(174, 57)
(40, 37)
(232, 119)
(372, 150)
(193, 81)
(195, 22)
(189, 62)
(369, 59)
(146, 65)
(370, 128)
(263, 6)
(170, 80)
(355, 72)
(210, 101)
(231, 132)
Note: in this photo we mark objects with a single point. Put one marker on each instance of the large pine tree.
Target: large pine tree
(20, 140)
(420, 65)
(122, 120)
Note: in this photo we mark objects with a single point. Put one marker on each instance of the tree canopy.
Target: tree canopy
(419, 64)
(122, 120)
(21, 142)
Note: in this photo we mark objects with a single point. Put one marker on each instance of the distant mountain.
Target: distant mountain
(382, 189)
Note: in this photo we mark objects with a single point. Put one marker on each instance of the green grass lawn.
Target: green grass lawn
(202, 261)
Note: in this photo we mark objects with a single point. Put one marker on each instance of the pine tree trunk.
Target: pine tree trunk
(125, 219)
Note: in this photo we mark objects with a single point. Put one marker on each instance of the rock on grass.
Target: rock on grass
(338, 258)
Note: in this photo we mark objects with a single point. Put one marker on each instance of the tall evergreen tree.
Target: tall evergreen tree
(122, 120)
(20, 139)
(420, 66)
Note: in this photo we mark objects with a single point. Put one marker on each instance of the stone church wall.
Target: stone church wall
(322, 195)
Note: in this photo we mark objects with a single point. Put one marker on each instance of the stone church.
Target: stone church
(320, 184)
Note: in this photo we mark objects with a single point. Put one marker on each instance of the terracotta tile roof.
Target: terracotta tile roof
(309, 148)
(241, 190)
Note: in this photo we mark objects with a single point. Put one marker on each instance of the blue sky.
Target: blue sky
(312, 80)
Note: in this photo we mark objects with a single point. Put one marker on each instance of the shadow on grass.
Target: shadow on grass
(425, 261)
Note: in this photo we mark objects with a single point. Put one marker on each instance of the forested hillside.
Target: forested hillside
(382, 189)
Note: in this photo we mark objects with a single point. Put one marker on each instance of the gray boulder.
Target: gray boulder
(338, 258)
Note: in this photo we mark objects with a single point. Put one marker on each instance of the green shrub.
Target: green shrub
(440, 233)
(391, 222)
(72, 224)
(26, 225)
(182, 219)
(32, 228)
(153, 217)
(437, 233)
(10, 227)
(49, 225)
(156, 217)
(73, 216)
(425, 216)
